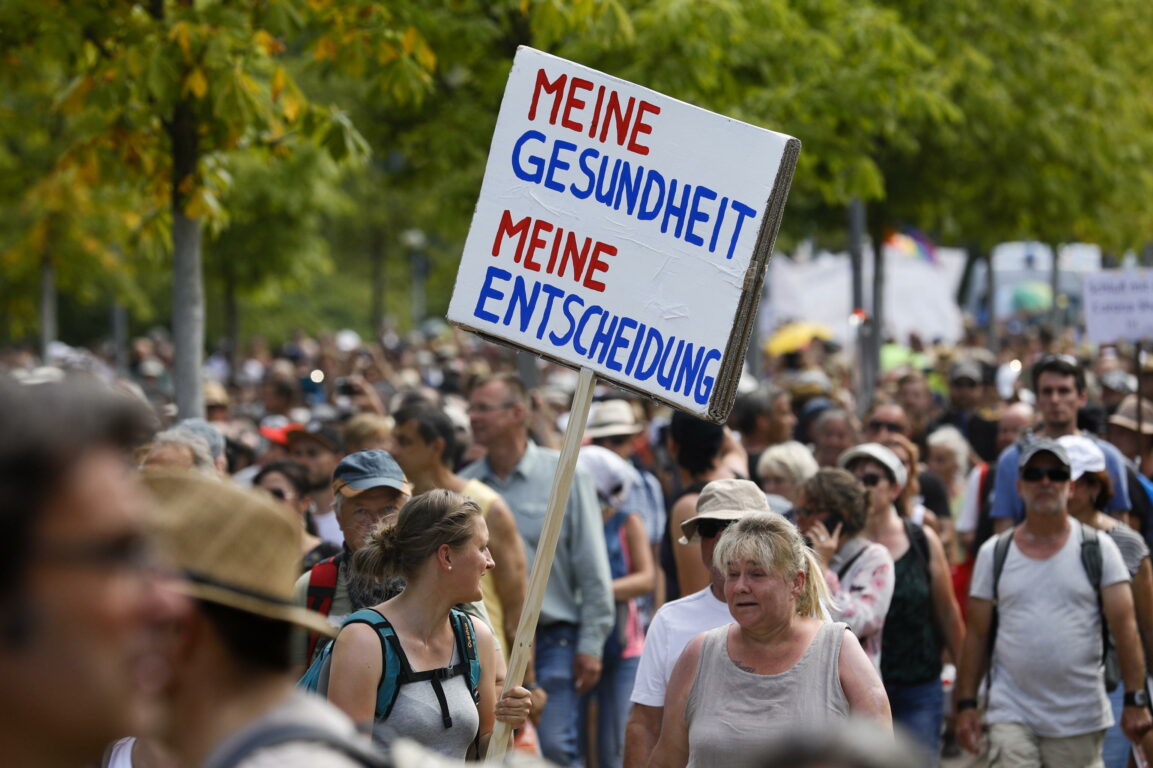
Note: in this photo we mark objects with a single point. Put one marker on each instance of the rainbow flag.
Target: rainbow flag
(912, 242)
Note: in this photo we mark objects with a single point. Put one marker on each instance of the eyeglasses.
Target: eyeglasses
(1035, 474)
(363, 515)
(870, 479)
(711, 528)
(486, 408)
(876, 425)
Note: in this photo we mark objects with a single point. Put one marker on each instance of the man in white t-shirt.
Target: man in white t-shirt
(720, 503)
(1047, 703)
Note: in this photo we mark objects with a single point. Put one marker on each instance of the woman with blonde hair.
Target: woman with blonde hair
(779, 665)
(439, 545)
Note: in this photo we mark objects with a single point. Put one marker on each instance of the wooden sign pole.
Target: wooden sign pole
(546, 550)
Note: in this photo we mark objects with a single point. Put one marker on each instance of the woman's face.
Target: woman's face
(782, 420)
(281, 489)
(779, 483)
(1084, 495)
(875, 477)
(758, 596)
(942, 462)
(806, 515)
(471, 561)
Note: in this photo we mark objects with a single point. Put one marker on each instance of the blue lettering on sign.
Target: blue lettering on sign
(693, 213)
(678, 366)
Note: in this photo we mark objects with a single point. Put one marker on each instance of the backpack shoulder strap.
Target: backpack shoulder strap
(394, 665)
(1091, 556)
(465, 633)
(1092, 563)
(1000, 553)
(321, 591)
(271, 736)
(849, 563)
(322, 585)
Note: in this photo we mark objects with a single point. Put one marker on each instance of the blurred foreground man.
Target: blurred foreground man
(79, 616)
(231, 701)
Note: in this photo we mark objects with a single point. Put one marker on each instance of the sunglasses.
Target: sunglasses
(870, 479)
(709, 529)
(876, 425)
(1035, 474)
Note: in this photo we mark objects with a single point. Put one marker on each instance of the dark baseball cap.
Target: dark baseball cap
(1042, 445)
(323, 432)
(364, 470)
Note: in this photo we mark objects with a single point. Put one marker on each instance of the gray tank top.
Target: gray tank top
(733, 714)
(417, 715)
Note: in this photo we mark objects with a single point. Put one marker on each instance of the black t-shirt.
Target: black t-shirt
(933, 494)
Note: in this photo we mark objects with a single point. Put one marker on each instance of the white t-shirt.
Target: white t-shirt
(675, 624)
(1047, 672)
(970, 502)
(328, 528)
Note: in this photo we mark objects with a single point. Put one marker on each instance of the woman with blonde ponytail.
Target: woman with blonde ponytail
(439, 546)
(779, 667)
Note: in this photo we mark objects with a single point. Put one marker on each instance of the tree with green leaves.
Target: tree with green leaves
(163, 93)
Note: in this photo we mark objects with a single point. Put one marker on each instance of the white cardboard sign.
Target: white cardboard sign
(624, 231)
(1118, 305)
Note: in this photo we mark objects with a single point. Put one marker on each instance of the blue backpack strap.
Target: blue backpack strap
(465, 633)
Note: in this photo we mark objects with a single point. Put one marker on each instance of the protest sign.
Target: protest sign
(623, 231)
(1118, 305)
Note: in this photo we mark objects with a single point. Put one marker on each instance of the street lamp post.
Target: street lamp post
(416, 241)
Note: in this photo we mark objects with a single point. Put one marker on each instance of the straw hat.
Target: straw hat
(234, 547)
(1126, 415)
(612, 418)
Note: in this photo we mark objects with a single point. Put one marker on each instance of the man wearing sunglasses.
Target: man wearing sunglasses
(720, 504)
(1059, 385)
(1041, 619)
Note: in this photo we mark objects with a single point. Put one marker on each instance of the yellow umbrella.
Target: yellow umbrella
(795, 336)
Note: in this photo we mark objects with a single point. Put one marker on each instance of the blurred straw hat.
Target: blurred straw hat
(233, 546)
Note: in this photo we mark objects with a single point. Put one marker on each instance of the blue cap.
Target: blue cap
(364, 470)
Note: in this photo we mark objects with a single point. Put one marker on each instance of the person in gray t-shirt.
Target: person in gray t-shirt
(1047, 702)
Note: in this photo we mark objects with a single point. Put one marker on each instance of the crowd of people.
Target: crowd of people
(335, 560)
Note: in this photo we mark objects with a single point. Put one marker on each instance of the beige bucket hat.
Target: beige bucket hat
(233, 546)
(727, 499)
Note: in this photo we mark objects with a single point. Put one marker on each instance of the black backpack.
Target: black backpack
(1091, 562)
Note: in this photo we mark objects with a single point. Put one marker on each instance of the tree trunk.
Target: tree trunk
(376, 256)
(120, 338)
(991, 302)
(866, 382)
(232, 324)
(1054, 286)
(877, 318)
(187, 273)
(49, 330)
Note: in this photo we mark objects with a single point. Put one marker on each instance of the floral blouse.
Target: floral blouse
(862, 593)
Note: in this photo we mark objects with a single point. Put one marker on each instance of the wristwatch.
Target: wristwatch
(1136, 699)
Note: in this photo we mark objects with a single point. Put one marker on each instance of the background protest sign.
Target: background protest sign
(623, 231)
(1118, 305)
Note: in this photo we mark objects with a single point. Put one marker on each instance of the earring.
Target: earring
(450, 567)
